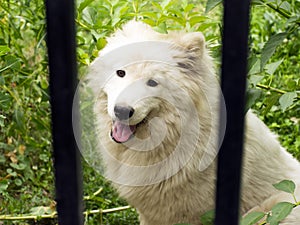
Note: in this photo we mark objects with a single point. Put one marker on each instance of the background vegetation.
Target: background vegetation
(26, 172)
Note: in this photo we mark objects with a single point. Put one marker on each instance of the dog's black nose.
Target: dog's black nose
(123, 112)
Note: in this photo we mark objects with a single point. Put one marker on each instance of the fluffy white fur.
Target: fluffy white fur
(185, 195)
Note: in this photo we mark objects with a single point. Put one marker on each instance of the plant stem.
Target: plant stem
(28, 217)
(278, 10)
(262, 86)
(54, 214)
(296, 204)
(104, 211)
(89, 197)
(270, 88)
(82, 24)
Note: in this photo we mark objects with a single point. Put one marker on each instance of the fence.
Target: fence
(62, 64)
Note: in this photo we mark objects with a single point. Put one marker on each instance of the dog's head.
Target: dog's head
(140, 71)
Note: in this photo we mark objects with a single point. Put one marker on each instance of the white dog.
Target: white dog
(157, 112)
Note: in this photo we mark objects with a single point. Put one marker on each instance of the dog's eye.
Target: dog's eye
(121, 73)
(152, 83)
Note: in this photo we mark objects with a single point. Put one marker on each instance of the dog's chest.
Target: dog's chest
(177, 200)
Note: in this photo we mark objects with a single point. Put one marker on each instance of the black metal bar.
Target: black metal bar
(62, 66)
(234, 70)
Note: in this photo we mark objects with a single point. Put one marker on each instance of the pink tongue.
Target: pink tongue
(122, 132)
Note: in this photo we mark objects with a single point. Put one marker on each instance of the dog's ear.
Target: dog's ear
(193, 42)
(192, 48)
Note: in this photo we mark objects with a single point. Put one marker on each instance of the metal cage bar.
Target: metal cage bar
(63, 72)
(233, 84)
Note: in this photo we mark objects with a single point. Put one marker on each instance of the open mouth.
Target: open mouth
(122, 132)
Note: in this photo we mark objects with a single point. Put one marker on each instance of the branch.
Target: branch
(278, 10)
(54, 214)
(28, 217)
(262, 86)
(104, 211)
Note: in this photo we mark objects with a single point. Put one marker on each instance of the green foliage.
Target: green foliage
(273, 77)
(278, 48)
(211, 4)
(208, 218)
(287, 100)
(286, 186)
(278, 212)
(270, 47)
(252, 218)
(26, 180)
(97, 19)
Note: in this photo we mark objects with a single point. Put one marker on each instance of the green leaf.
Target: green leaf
(2, 158)
(292, 84)
(254, 79)
(286, 186)
(166, 4)
(44, 82)
(3, 185)
(269, 102)
(270, 47)
(161, 28)
(188, 8)
(84, 4)
(279, 212)
(287, 99)
(18, 182)
(101, 42)
(208, 218)
(211, 4)
(11, 62)
(4, 49)
(252, 218)
(254, 66)
(41, 210)
(293, 19)
(197, 19)
(156, 5)
(285, 6)
(252, 96)
(5, 101)
(2, 118)
(257, 2)
(20, 166)
(19, 118)
(271, 68)
(11, 172)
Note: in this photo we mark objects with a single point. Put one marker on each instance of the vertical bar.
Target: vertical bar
(63, 72)
(233, 83)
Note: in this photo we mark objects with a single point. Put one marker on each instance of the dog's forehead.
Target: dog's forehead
(159, 51)
(140, 70)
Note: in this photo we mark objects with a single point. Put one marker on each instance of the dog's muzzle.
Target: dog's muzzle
(121, 130)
